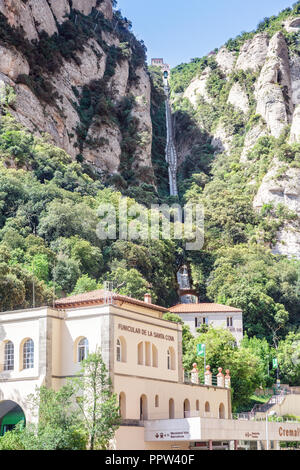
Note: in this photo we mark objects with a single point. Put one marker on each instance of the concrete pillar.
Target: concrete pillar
(220, 378)
(208, 376)
(227, 379)
(236, 444)
(210, 445)
(195, 375)
(259, 446)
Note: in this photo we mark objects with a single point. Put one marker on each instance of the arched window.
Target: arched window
(121, 350)
(207, 407)
(28, 354)
(186, 408)
(122, 405)
(222, 411)
(156, 401)
(9, 356)
(171, 359)
(83, 349)
(143, 408)
(171, 409)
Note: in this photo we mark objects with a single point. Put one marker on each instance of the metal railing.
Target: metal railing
(251, 416)
(274, 400)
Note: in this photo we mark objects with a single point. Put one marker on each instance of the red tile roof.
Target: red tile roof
(202, 308)
(99, 296)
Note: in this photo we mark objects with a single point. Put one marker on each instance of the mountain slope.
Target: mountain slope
(239, 107)
(79, 75)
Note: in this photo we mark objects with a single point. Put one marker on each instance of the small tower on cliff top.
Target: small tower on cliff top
(160, 63)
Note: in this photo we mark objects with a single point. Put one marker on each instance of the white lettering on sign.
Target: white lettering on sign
(140, 331)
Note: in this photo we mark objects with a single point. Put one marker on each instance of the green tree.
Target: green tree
(222, 351)
(288, 354)
(84, 284)
(97, 403)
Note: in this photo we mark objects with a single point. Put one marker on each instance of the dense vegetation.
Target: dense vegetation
(83, 414)
(48, 203)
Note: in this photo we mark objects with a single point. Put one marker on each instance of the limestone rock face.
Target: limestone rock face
(107, 155)
(251, 139)
(61, 119)
(142, 93)
(226, 60)
(253, 53)
(60, 9)
(238, 98)
(43, 16)
(273, 88)
(292, 26)
(282, 186)
(106, 8)
(197, 88)
(85, 6)
(221, 140)
(295, 128)
(295, 78)
(12, 63)
(19, 14)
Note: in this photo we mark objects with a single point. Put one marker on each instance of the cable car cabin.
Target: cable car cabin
(166, 74)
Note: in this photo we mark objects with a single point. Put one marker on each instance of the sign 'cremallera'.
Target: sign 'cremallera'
(141, 331)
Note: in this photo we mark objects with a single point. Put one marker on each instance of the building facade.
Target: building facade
(218, 316)
(160, 409)
(160, 63)
(142, 352)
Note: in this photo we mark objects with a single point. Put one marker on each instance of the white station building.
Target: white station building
(160, 408)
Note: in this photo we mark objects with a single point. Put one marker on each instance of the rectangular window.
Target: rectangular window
(229, 322)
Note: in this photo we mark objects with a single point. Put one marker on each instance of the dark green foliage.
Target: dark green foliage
(158, 116)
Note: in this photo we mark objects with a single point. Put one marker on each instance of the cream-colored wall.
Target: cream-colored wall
(149, 329)
(56, 334)
(289, 406)
(80, 323)
(217, 320)
(132, 438)
(134, 388)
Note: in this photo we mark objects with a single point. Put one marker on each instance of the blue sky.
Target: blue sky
(179, 30)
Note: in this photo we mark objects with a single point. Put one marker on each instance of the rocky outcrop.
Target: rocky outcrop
(43, 16)
(60, 9)
(252, 136)
(238, 98)
(273, 89)
(221, 141)
(295, 128)
(142, 93)
(60, 119)
(292, 26)
(295, 78)
(226, 60)
(253, 53)
(12, 63)
(281, 186)
(197, 88)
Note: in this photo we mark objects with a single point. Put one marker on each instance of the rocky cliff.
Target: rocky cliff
(240, 99)
(79, 75)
